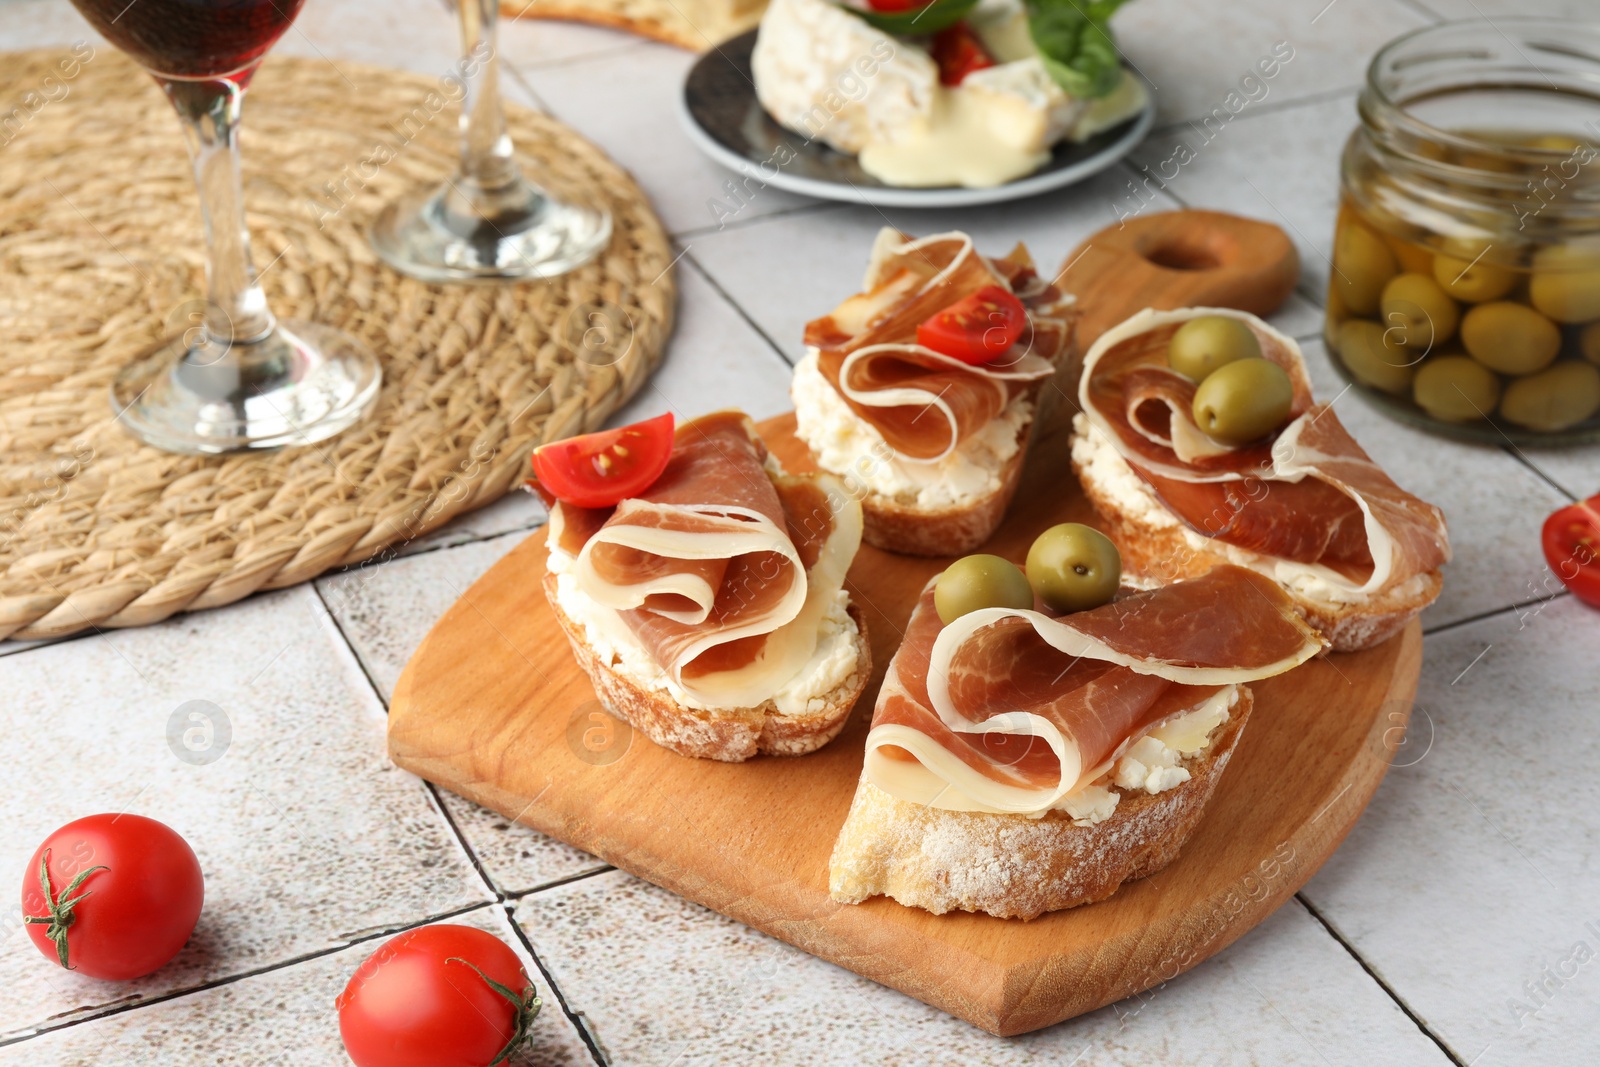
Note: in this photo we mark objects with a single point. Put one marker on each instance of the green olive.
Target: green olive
(1566, 284)
(1589, 342)
(1074, 567)
(980, 581)
(1362, 265)
(1553, 399)
(1243, 400)
(1202, 345)
(1456, 389)
(1369, 353)
(1417, 312)
(1464, 272)
(1510, 338)
(1413, 259)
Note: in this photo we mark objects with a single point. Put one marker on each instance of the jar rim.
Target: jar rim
(1389, 59)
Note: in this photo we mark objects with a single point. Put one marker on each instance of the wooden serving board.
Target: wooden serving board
(492, 706)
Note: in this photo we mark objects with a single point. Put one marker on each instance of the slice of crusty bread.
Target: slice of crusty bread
(952, 530)
(1164, 553)
(728, 734)
(1014, 866)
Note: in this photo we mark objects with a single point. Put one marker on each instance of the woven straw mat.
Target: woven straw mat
(100, 257)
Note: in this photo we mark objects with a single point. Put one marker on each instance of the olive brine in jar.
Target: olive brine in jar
(1464, 294)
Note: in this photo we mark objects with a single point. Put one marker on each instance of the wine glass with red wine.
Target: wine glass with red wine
(488, 222)
(241, 379)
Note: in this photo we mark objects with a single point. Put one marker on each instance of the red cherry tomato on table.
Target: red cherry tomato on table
(1572, 548)
(598, 470)
(117, 895)
(437, 996)
(958, 52)
(976, 329)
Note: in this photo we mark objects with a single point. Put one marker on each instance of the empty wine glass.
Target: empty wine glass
(240, 379)
(488, 221)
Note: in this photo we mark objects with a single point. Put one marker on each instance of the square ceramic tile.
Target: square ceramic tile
(386, 611)
(44, 24)
(252, 732)
(1478, 9)
(1214, 62)
(1576, 470)
(1470, 885)
(785, 271)
(702, 989)
(283, 1018)
(1494, 505)
(628, 105)
(1279, 165)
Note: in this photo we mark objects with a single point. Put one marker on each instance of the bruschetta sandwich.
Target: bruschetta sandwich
(1025, 759)
(921, 391)
(1199, 443)
(702, 587)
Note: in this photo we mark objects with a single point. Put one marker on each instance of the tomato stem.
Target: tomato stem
(525, 1007)
(61, 915)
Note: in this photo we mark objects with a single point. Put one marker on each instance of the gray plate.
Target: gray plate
(720, 111)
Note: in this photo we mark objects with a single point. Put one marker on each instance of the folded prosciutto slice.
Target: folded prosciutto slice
(922, 402)
(1309, 494)
(1007, 710)
(723, 568)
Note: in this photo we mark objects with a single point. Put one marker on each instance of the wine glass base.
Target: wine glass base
(301, 383)
(438, 237)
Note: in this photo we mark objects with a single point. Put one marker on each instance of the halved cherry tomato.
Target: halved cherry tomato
(976, 329)
(958, 52)
(598, 470)
(897, 5)
(1572, 547)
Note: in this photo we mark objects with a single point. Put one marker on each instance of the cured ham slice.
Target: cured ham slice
(1012, 711)
(723, 568)
(922, 402)
(1309, 494)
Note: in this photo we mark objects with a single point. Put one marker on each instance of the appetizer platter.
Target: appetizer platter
(934, 104)
(768, 671)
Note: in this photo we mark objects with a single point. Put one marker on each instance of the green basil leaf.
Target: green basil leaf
(1075, 43)
(930, 18)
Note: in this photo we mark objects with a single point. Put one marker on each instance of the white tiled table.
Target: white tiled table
(1458, 924)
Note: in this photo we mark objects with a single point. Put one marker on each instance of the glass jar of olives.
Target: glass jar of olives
(1464, 294)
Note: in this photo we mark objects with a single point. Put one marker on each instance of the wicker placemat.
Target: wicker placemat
(100, 256)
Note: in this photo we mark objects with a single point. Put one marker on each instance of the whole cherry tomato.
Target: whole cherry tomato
(598, 470)
(438, 996)
(112, 896)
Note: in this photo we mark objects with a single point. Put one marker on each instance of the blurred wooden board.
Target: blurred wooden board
(493, 707)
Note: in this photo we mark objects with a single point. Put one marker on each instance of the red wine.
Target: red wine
(191, 38)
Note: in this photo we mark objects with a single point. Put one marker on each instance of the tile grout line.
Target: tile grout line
(1482, 616)
(1321, 96)
(738, 309)
(231, 979)
(498, 899)
(1387, 989)
(557, 883)
(1516, 454)
(800, 210)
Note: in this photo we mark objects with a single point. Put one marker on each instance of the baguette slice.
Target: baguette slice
(1014, 866)
(728, 734)
(1165, 554)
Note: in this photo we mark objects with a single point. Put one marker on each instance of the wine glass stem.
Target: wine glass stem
(488, 165)
(236, 308)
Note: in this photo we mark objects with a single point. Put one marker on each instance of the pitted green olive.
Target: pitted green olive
(1510, 338)
(1463, 271)
(1456, 389)
(980, 581)
(1369, 354)
(1554, 399)
(1566, 284)
(1202, 345)
(1362, 266)
(1589, 342)
(1418, 313)
(1074, 567)
(1243, 400)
